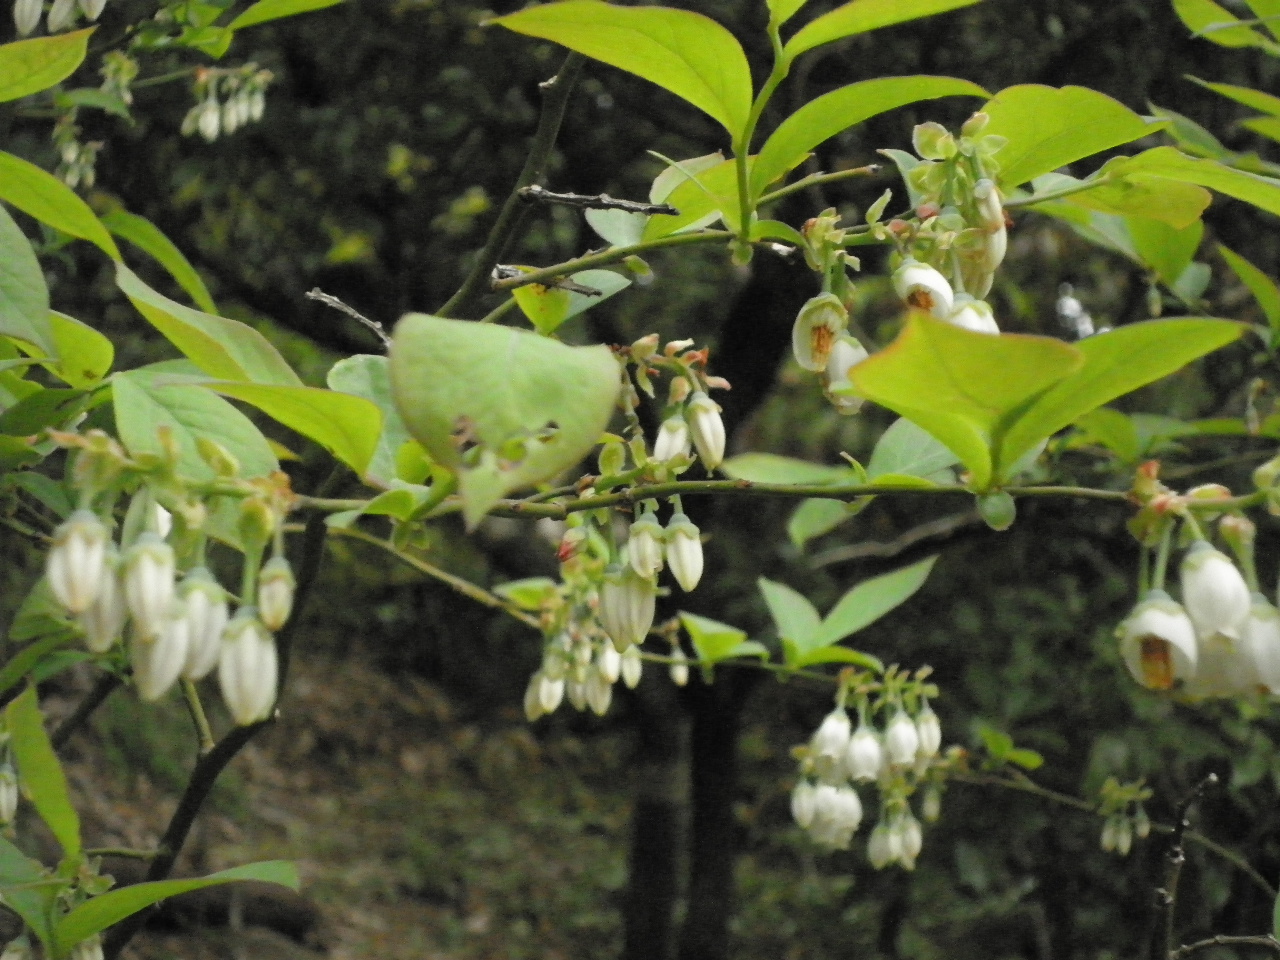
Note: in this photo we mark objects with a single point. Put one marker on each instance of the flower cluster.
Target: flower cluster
(63, 14)
(1124, 816)
(77, 160)
(227, 100)
(691, 420)
(899, 758)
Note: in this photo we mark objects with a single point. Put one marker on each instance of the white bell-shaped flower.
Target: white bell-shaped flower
(644, 545)
(77, 559)
(627, 605)
(550, 692)
(158, 659)
(276, 587)
(1213, 591)
(846, 354)
(92, 8)
(829, 744)
(837, 814)
(684, 551)
(930, 733)
(532, 707)
(912, 838)
(207, 616)
(818, 327)
(599, 693)
(248, 668)
(1226, 668)
(679, 667)
(673, 440)
(1261, 637)
(802, 802)
(148, 583)
(61, 15)
(609, 663)
(26, 15)
(924, 288)
(103, 620)
(864, 758)
(879, 846)
(971, 314)
(8, 795)
(576, 691)
(901, 740)
(632, 667)
(1158, 642)
(706, 429)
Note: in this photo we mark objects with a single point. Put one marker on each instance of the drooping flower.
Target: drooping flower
(627, 604)
(644, 545)
(802, 802)
(103, 620)
(207, 616)
(1213, 591)
(818, 326)
(275, 592)
(1261, 636)
(26, 15)
(684, 551)
(707, 429)
(609, 662)
(77, 560)
(829, 744)
(1225, 669)
(8, 794)
(901, 740)
(248, 668)
(158, 658)
(148, 583)
(837, 814)
(632, 667)
(929, 731)
(679, 667)
(673, 440)
(845, 355)
(1158, 642)
(865, 756)
(924, 288)
(972, 315)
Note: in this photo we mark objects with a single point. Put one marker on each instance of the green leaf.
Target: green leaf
(794, 616)
(1166, 250)
(526, 406)
(621, 228)
(1262, 287)
(265, 10)
(35, 905)
(960, 385)
(144, 403)
(839, 655)
(1170, 201)
(40, 615)
(24, 296)
(95, 915)
(870, 600)
(548, 307)
(30, 66)
(528, 594)
(815, 517)
(368, 376)
(1268, 127)
(1113, 429)
(702, 199)
(40, 772)
(1115, 363)
(148, 238)
(84, 355)
(345, 425)
(46, 407)
(27, 661)
(780, 11)
(1262, 192)
(45, 197)
(93, 98)
(1190, 136)
(715, 641)
(823, 118)
(861, 16)
(1024, 758)
(686, 53)
(908, 450)
(1254, 99)
(1212, 22)
(772, 468)
(1049, 128)
(1269, 12)
(225, 349)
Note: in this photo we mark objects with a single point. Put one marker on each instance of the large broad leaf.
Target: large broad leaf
(1262, 287)
(714, 641)
(794, 616)
(870, 600)
(225, 349)
(1215, 23)
(84, 355)
(265, 10)
(861, 16)
(960, 385)
(1048, 128)
(504, 408)
(1157, 198)
(348, 427)
(549, 307)
(148, 238)
(144, 403)
(24, 296)
(1115, 363)
(100, 912)
(780, 11)
(699, 199)
(30, 66)
(21, 880)
(1166, 250)
(823, 118)
(368, 376)
(1262, 192)
(40, 772)
(49, 200)
(690, 55)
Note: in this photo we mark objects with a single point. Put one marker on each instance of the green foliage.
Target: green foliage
(146, 236)
(49, 200)
(24, 297)
(41, 772)
(714, 641)
(863, 16)
(264, 11)
(29, 66)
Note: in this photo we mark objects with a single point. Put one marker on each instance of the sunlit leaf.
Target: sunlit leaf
(905, 449)
(1254, 99)
(1213, 22)
(84, 355)
(816, 517)
(19, 875)
(1263, 288)
(49, 200)
(772, 468)
(714, 641)
(780, 11)
(1173, 202)
(1262, 192)
(794, 616)
(40, 772)
(870, 600)
(24, 296)
(265, 10)
(368, 376)
(29, 66)
(861, 16)
(1164, 249)
(701, 200)
(148, 238)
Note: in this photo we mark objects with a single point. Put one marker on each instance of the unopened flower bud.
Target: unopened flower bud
(627, 603)
(684, 551)
(61, 15)
(275, 592)
(576, 691)
(248, 668)
(1141, 823)
(679, 668)
(26, 15)
(550, 692)
(8, 794)
(971, 314)
(1213, 591)
(104, 619)
(829, 745)
(673, 440)
(931, 804)
(532, 705)
(930, 733)
(77, 559)
(818, 326)
(707, 429)
(912, 836)
(864, 757)
(901, 740)
(209, 120)
(644, 545)
(207, 616)
(148, 583)
(158, 659)
(19, 949)
(609, 662)
(924, 288)
(632, 667)
(802, 803)
(878, 846)
(599, 693)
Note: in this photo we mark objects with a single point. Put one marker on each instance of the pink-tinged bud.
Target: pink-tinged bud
(248, 668)
(971, 314)
(1158, 642)
(632, 667)
(707, 429)
(673, 440)
(1213, 591)
(207, 616)
(158, 659)
(148, 583)
(275, 592)
(644, 545)
(818, 326)
(103, 620)
(77, 560)
(684, 551)
(924, 288)
(901, 740)
(627, 603)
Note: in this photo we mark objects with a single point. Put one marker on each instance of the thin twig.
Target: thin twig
(122, 852)
(107, 684)
(504, 272)
(331, 301)
(555, 94)
(500, 311)
(1268, 941)
(883, 550)
(818, 179)
(1166, 899)
(599, 201)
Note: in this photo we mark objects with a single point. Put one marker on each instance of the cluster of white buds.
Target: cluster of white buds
(227, 100)
(897, 760)
(1222, 640)
(63, 14)
(649, 547)
(176, 628)
(77, 160)
(580, 665)
(1124, 816)
(692, 420)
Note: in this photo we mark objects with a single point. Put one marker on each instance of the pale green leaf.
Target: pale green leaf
(1049, 127)
(906, 449)
(1268, 11)
(29, 66)
(1213, 22)
(528, 594)
(683, 52)
(1262, 192)
(772, 468)
(1111, 428)
(24, 296)
(34, 904)
(861, 16)
(368, 376)
(1158, 198)
(104, 910)
(1263, 288)
(870, 600)
(148, 238)
(222, 348)
(1254, 99)
(677, 172)
(1189, 135)
(701, 199)
(40, 772)
(527, 406)
(549, 307)
(829, 114)
(816, 517)
(780, 11)
(714, 641)
(1163, 248)
(265, 10)
(839, 655)
(794, 616)
(1268, 127)
(49, 200)
(621, 228)
(84, 355)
